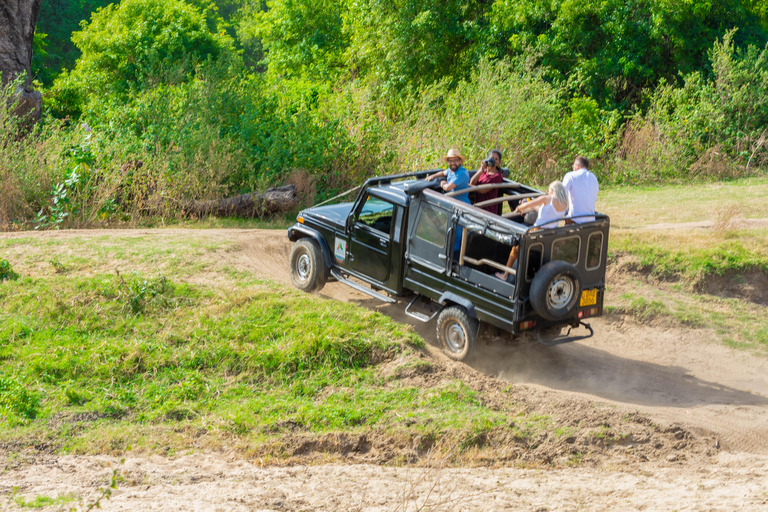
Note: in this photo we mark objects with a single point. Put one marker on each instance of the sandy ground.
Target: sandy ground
(670, 375)
(213, 483)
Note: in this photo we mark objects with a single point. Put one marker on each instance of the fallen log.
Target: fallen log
(246, 206)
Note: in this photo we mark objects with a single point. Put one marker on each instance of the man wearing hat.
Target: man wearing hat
(456, 176)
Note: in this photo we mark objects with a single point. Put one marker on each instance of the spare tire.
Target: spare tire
(556, 291)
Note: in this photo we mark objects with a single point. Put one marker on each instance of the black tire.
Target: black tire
(556, 291)
(308, 272)
(457, 332)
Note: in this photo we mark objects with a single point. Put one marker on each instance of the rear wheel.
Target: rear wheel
(307, 266)
(556, 290)
(457, 332)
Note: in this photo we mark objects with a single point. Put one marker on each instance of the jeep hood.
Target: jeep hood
(331, 214)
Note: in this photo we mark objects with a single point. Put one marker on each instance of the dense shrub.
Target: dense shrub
(505, 106)
(711, 126)
(161, 106)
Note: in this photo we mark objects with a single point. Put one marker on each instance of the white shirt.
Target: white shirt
(548, 215)
(582, 189)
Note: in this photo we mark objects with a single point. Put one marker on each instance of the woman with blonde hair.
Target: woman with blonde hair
(551, 209)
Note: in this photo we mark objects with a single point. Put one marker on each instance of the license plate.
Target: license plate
(588, 298)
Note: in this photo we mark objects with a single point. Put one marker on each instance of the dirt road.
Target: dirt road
(206, 482)
(671, 375)
(681, 376)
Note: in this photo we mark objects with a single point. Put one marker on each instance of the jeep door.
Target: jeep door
(371, 239)
(426, 256)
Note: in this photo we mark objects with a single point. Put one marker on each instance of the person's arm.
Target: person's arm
(448, 186)
(473, 181)
(532, 205)
(438, 174)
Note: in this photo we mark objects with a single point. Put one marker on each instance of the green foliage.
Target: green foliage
(16, 401)
(57, 20)
(728, 112)
(613, 50)
(404, 44)
(350, 89)
(302, 38)
(6, 271)
(499, 107)
(133, 45)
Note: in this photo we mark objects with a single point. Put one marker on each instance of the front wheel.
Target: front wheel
(307, 266)
(457, 332)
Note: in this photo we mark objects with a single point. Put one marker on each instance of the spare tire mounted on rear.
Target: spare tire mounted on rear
(556, 291)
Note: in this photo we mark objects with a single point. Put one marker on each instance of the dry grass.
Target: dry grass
(634, 207)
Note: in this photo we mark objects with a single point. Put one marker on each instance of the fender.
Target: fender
(461, 301)
(298, 231)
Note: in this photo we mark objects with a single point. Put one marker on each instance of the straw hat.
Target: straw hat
(454, 153)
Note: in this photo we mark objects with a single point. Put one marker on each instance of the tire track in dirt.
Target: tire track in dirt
(673, 375)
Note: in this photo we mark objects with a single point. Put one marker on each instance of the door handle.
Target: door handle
(442, 256)
(383, 242)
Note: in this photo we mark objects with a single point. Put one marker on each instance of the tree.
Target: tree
(17, 31)
(613, 50)
(132, 47)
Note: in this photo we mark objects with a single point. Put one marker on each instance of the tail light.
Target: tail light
(584, 313)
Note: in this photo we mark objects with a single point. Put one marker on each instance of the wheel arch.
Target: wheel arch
(450, 298)
(296, 233)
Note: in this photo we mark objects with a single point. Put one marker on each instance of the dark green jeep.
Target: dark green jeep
(399, 238)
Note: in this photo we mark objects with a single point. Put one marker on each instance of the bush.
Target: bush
(502, 106)
(711, 127)
(6, 271)
(16, 401)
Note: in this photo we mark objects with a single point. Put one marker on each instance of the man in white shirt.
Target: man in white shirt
(582, 188)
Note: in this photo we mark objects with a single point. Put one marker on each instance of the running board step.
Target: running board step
(415, 314)
(359, 287)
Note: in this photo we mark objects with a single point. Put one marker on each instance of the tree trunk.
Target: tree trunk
(274, 200)
(17, 30)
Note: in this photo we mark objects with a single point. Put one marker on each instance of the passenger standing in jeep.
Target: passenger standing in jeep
(488, 174)
(582, 188)
(456, 176)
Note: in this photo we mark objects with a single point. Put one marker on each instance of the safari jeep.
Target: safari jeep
(398, 239)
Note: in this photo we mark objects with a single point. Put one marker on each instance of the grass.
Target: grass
(695, 255)
(735, 322)
(182, 350)
(177, 254)
(45, 501)
(693, 270)
(93, 362)
(634, 207)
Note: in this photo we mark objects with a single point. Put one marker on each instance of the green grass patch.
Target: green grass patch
(98, 363)
(737, 323)
(45, 501)
(633, 207)
(693, 256)
(6, 271)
